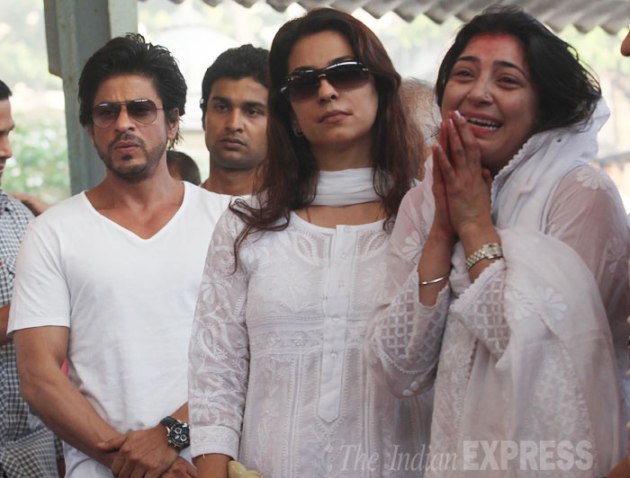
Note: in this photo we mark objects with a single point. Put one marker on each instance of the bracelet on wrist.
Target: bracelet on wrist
(433, 281)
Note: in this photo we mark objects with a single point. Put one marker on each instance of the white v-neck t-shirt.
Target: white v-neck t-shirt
(129, 303)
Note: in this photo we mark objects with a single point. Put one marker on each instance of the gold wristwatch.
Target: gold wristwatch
(487, 251)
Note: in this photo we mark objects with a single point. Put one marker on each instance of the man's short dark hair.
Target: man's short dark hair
(132, 55)
(235, 63)
(5, 92)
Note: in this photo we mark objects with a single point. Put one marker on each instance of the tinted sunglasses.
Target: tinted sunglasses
(346, 75)
(141, 110)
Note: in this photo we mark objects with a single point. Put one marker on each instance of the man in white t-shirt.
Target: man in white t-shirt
(108, 279)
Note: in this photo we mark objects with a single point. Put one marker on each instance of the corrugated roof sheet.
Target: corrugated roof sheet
(585, 15)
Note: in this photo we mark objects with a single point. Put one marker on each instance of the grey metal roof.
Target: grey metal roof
(585, 15)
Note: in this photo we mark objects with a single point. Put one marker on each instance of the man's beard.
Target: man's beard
(139, 172)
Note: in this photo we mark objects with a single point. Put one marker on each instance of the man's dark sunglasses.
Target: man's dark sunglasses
(304, 84)
(141, 110)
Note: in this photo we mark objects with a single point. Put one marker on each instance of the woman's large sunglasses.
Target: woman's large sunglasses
(304, 84)
(141, 110)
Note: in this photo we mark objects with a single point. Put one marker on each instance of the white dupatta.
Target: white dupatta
(556, 379)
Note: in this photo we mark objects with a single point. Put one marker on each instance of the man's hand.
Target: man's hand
(142, 453)
(180, 469)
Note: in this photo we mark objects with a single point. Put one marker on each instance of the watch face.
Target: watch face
(179, 436)
(494, 249)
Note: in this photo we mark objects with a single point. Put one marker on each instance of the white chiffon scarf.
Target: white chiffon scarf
(522, 190)
(345, 187)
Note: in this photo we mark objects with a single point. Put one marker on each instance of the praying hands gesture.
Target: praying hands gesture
(463, 184)
(461, 188)
(464, 191)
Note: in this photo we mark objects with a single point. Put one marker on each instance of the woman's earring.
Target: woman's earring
(296, 129)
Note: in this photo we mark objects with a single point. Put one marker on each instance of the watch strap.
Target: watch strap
(169, 422)
(491, 250)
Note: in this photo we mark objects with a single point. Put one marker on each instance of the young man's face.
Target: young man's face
(6, 126)
(235, 123)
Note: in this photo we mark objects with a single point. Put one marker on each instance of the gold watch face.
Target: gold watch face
(493, 249)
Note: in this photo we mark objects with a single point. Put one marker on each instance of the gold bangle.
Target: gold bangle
(433, 281)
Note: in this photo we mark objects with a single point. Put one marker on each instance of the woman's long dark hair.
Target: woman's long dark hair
(567, 92)
(288, 177)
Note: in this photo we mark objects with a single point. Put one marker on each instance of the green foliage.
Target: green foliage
(23, 44)
(40, 159)
(40, 163)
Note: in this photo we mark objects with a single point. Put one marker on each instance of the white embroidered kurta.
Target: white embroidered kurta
(527, 379)
(277, 375)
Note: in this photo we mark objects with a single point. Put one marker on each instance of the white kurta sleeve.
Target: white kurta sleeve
(595, 226)
(219, 352)
(483, 302)
(404, 338)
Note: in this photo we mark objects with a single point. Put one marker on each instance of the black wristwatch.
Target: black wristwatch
(177, 433)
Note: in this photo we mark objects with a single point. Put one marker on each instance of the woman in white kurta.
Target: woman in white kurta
(508, 275)
(277, 374)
